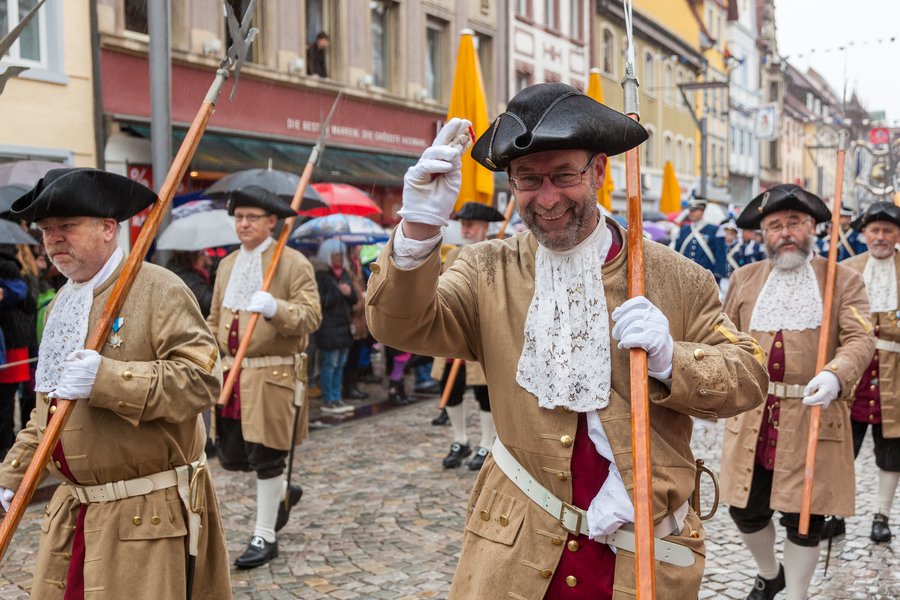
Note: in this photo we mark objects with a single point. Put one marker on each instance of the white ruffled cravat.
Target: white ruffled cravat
(789, 300)
(67, 326)
(246, 276)
(880, 276)
(565, 360)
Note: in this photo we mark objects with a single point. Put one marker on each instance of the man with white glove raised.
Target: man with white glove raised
(779, 302)
(253, 429)
(547, 315)
(135, 431)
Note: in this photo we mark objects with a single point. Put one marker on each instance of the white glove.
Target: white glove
(639, 324)
(431, 186)
(826, 386)
(79, 371)
(263, 303)
(6, 496)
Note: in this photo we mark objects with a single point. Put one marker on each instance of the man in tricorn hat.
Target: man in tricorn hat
(136, 498)
(474, 219)
(698, 240)
(779, 302)
(877, 399)
(253, 429)
(542, 312)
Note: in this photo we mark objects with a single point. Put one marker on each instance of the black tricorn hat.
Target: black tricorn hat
(879, 211)
(258, 197)
(554, 116)
(476, 211)
(785, 196)
(74, 192)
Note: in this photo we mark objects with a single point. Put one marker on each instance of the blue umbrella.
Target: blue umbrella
(350, 229)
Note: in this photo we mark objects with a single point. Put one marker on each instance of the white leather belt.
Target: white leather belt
(188, 478)
(259, 362)
(574, 519)
(887, 345)
(786, 390)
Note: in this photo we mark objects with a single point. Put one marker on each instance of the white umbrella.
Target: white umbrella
(198, 231)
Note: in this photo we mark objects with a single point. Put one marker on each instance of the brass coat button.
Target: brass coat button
(120, 404)
(695, 534)
(699, 354)
(155, 520)
(566, 441)
(776, 366)
(375, 268)
(504, 520)
(485, 515)
(137, 520)
(557, 541)
(571, 581)
(58, 464)
(546, 573)
(127, 375)
(234, 334)
(15, 463)
(573, 546)
(778, 344)
(52, 409)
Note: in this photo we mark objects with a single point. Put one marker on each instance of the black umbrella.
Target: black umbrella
(12, 233)
(280, 184)
(9, 194)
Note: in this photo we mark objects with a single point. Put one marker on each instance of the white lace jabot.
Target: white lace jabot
(880, 276)
(789, 300)
(246, 276)
(67, 326)
(566, 357)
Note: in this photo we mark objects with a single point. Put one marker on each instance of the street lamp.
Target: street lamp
(700, 122)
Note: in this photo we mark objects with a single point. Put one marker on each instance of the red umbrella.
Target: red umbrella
(344, 199)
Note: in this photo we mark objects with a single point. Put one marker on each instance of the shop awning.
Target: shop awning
(228, 153)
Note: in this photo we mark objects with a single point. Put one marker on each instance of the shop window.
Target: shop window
(136, 16)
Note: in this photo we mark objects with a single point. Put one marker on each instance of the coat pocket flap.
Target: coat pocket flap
(151, 517)
(497, 517)
(831, 427)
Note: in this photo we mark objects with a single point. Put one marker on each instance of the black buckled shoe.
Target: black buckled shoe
(834, 527)
(258, 553)
(441, 419)
(478, 460)
(283, 513)
(456, 455)
(767, 589)
(880, 530)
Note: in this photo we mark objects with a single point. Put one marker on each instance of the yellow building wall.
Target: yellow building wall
(58, 116)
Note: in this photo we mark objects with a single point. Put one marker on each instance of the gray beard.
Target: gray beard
(791, 260)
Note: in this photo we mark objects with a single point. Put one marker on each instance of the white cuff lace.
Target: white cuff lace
(409, 253)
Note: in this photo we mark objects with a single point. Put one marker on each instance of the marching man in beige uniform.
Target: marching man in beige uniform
(136, 500)
(779, 302)
(546, 314)
(877, 401)
(474, 218)
(253, 430)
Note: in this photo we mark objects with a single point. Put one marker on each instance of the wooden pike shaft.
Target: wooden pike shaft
(97, 337)
(267, 282)
(645, 575)
(457, 362)
(822, 354)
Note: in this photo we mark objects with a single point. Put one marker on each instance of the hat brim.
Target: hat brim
(256, 197)
(758, 208)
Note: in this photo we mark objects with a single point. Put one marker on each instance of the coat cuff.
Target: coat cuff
(122, 387)
(697, 385)
(422, 277)
(286, 317)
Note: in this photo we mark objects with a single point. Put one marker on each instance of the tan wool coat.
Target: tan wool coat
(143, 417)
(267, 393)
(477, 310)
(850, 347)
(886, 328)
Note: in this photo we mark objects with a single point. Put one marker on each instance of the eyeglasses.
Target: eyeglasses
(561, 179)
(249, 218)
(777, 228)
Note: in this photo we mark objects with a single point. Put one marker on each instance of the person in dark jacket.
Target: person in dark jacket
(193, 268)
(315, 56)
(334, 336)
(17, 329)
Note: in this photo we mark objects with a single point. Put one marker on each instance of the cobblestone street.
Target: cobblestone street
(380, 518)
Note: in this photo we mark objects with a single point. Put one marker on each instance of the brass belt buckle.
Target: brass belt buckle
(578, 512)
(198, 489)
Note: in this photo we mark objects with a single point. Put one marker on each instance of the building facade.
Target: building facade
(48, 110)
(744, 96)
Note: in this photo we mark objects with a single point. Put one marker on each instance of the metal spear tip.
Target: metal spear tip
(242, 36)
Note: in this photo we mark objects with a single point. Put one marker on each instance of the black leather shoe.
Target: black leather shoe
(456, 455)
(478, 460)
(258, 553)
(429, 387)
(880, 530)
(283, 514)
(356, 394)
(834, 527)
(441, 419)
(767, 589)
